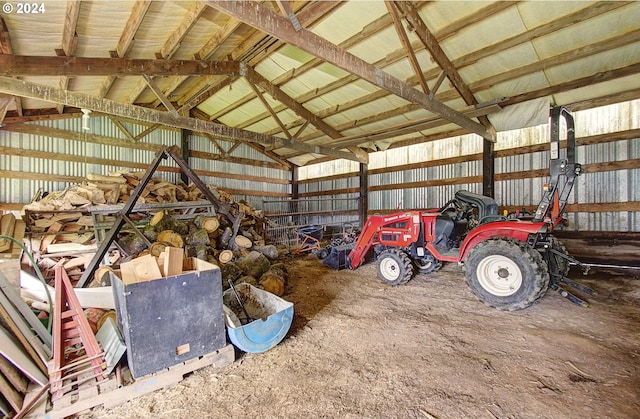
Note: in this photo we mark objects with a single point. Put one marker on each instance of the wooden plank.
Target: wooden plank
(18, 234)
(7, 224)
(144, 268)
(14, 353)
(13, 375)
(10, 299)
(173, 261)
(145, 385)
(47, 240)
(70, 247)
(11, 271)
(13, 396)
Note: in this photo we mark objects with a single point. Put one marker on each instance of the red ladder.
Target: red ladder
(75, 350)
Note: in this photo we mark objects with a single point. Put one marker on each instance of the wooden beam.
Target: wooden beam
(69, 42)
(310, 13)
(402, 34)
(122, 128)
(172, 44)
(274, 115)
(409, 127)
(5, 38)
(267, 21)
(383, 22)
(21, 65)
(4, 105)
(51, 94)
(126, 40)
(69, 35)
(433, 46)
(158, 92)
(255, 78)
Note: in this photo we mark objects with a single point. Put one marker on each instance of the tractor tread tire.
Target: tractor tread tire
(403, 262)
(434, 266)
(533, 269)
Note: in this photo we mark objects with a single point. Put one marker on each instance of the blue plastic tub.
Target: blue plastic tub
(270, 318)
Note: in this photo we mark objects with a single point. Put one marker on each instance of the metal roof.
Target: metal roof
(315, 80)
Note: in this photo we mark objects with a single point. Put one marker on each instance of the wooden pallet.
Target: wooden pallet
(109, 394)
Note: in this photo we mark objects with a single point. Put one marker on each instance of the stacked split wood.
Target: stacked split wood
(60, 225)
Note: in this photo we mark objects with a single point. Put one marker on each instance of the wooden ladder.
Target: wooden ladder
(77, 357)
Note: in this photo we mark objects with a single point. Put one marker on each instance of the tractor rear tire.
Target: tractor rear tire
(506, 274)
(394, 267)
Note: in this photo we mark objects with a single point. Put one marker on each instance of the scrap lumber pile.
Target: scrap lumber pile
(24, 353)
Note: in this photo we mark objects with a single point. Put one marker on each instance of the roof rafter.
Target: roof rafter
(51, 94)
(255, 78)
(172, 43)
(307, 16)
(267, 21)
(126, 40)
(21, 65)
(7, 49)
(433, 46)
(402, 34)
(69, 41)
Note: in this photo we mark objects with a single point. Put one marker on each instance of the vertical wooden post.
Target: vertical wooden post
(184, 146)
(295, 191)
(488, 169)
(363, 199)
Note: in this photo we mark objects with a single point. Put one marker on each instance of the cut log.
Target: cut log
(225, 238)
(157, 218)
(198, 237)
(254, 264)
(273, 282)
(172, 237)
(211, 224)
(225, 256)
(150, 232)
(134, 244)
(162, 221)
(102, 276)
(269, 251)
(243, 242)
(231, 271)
(158, 247)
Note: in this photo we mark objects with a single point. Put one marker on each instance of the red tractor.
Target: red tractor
(509, 261)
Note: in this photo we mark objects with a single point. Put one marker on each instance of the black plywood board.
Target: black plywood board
(170, 320)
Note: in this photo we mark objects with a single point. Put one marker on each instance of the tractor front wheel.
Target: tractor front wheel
(394, 267)
(506, 274)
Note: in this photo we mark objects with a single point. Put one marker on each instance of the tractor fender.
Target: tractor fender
(514, 229)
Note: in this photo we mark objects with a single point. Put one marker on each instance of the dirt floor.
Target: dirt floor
(358, 348)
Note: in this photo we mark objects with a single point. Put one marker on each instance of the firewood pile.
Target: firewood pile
(60, 228)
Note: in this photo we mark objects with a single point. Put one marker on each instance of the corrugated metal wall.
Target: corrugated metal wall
(607, 186)
(14, 190)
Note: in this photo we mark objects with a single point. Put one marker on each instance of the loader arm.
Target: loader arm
(562, 172)
(397, 230)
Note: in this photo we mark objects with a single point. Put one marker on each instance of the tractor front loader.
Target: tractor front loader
(509, 261)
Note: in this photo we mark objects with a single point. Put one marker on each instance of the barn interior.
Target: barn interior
(348, 209)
